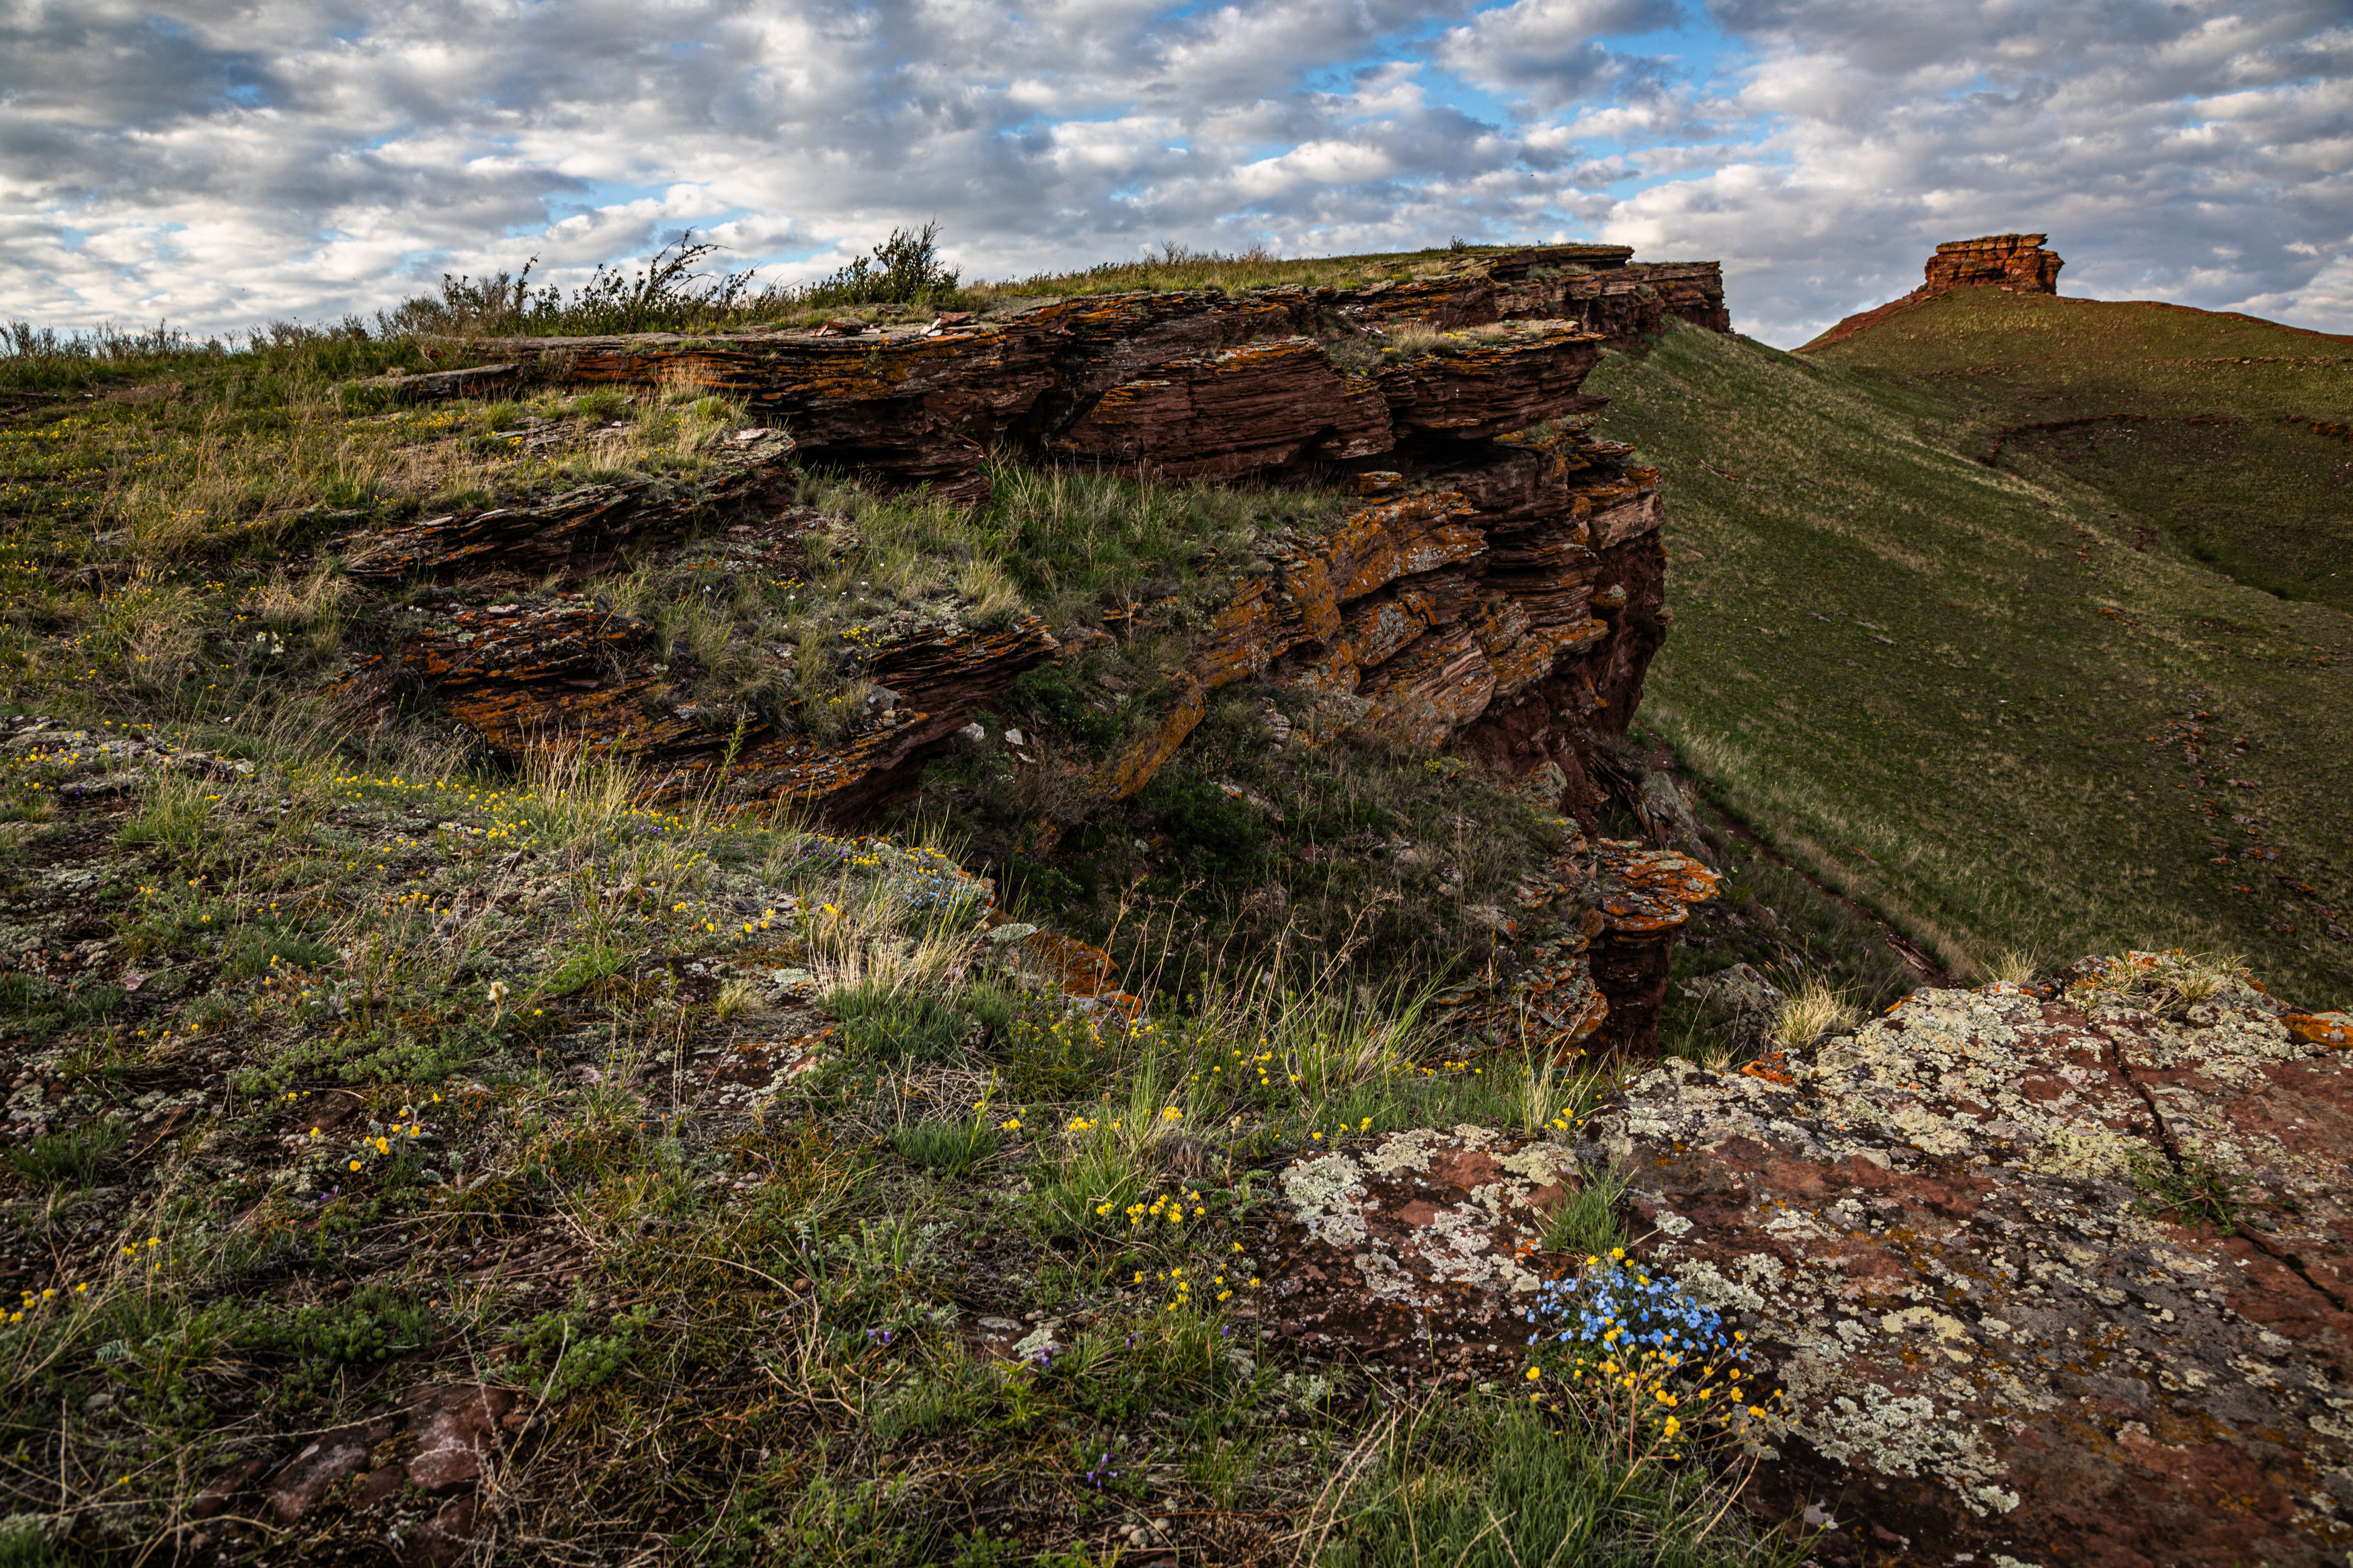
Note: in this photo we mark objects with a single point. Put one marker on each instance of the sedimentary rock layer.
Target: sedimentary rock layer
(2015, 261)
(1498, 594)
(574, 677)
(582, 533)
(1107, 376)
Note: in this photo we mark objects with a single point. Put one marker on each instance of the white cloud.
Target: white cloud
(225, 162)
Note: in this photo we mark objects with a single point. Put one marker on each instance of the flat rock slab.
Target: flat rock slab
(1421, 1251)
(1960, 1234)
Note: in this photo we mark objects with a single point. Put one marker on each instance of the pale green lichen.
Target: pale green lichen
(1324, 1195)
(2017, 1108)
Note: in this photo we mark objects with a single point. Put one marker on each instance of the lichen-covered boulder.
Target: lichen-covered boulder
(2053, 1274)
(1423, 1251)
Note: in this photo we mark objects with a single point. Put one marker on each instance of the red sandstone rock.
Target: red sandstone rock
(577, 534)
(1187, 383)
(301, 1485)
(1993, 1343)
(1420, 1251)
(2003, 260)
(1235, 411)
(546, 678)
(2016, 263)
(454, 1425)
(1493, 383)
(1995, 1337)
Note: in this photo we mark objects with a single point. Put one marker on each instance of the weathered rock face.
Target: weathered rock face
(1181, 385)
(1972, 1244)
(572, 676)
(1975, 1236)
(2015, 262)
(1505, 602)
(582, 533)
(1500, 594)
(1419, 1252)
(1599, 928)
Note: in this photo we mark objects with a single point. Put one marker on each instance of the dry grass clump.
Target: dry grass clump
(2013, 966)
(2169, 979)
(1811, 1008)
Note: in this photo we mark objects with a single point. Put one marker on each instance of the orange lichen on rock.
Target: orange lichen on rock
(2333, 1029)
(1079, 970)
(1649, 892)
(1136, 766)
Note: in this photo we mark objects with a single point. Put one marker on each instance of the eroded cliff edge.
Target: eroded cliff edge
(1495, 589)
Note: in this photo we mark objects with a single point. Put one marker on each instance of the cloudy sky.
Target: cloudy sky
(220, 164)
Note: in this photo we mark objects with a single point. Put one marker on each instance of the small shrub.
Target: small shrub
(1050, 1058)
(374, 1324)
(887, 1023)
(39, 1009)
(260, 948)
(71, 1158)
(175, 816)
(582, 967)
(2191, 1190)
(1587, 1221)
(604, 405)
(1209, 829)
(946, 1148)
(559, 1358)
(904, 270)
(1049, 690)
(24, 1543)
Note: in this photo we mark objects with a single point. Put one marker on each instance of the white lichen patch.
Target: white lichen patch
(1957, 1227)
(1401, 1153)
(1327, 1197)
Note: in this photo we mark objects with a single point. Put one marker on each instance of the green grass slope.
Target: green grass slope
(2200, 422)
(1969, 697)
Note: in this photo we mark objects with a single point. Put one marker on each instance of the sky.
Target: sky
(215, 166)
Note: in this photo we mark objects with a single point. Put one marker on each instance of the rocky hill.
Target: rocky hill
(2226, 432)
(1042, 925)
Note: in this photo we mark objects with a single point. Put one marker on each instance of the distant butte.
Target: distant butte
(2015, 262)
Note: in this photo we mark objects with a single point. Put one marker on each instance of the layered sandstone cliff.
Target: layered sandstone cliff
(1499, 592)
(1248, 376)
(2015, 262)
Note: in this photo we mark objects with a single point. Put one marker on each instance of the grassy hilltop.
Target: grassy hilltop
(2199, 423)
(363, 1091)
(2016, 707)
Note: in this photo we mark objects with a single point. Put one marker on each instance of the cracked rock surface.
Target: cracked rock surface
(2054, 1274)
